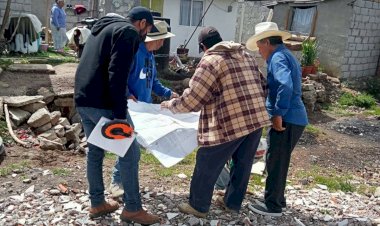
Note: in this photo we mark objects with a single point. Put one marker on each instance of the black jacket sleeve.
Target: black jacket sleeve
(125, 45)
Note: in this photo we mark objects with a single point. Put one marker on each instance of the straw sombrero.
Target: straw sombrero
(265, 30)
(159, 31)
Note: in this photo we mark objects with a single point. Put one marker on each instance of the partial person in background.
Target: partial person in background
(286, 110)
(142, 81)
(58, 25)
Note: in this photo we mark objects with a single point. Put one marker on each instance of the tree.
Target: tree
(5, 19)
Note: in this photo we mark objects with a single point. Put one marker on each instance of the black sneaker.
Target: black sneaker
(263, 210)
(261, 202)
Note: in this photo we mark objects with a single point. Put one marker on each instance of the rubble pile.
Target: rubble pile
(318, 89)
(48, 120)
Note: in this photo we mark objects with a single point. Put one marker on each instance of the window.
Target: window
(190, 12)
(303, 20)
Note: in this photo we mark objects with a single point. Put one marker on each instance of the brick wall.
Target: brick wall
(17, 6)
(363, 45)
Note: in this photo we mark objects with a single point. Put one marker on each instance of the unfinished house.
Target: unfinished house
(347, 31)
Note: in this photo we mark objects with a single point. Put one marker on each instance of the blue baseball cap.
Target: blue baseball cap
(140, 13)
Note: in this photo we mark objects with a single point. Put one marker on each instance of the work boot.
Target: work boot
(186, 208)
(103, 209)
(139, 217)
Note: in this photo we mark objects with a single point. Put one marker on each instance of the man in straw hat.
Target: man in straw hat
(142, 81)
(286, 109)
(228, 89)
(100, 87)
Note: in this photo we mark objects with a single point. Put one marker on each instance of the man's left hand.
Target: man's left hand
(174, 95)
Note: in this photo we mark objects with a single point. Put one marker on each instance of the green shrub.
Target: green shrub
(362, 100)
(309, 52)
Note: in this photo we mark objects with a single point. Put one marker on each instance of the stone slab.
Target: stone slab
(19, 101)
(49, 135)
(55, 116)
(64, 94)
(32, 68)
(43, 128)
(47, 94)
(64, 102)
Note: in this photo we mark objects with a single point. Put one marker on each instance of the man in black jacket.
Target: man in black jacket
(100, 89)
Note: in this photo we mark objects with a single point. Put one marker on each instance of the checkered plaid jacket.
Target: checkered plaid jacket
(230, 92)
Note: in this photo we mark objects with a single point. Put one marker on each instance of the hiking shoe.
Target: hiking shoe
(186, 208)
(263, 210)
(116, 190)
(220, 202)
(139, 217)
(261, 202)
(103, 209)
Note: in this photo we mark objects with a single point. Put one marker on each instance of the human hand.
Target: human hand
(174, 95)
(164, 104)
(277, 123)
(133, 98)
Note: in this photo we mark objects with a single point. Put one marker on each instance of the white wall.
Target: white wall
(217, 16)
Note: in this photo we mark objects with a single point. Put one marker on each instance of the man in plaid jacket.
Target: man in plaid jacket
(229, 90)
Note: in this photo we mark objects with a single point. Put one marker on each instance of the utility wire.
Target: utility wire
(200, 21)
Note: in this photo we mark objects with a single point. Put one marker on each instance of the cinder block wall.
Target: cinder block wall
(17, 6)
(362, 53)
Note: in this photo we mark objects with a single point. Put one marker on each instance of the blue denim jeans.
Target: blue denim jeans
(116, 177)
(129, 164)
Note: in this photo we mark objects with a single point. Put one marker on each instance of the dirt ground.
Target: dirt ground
(341, 145)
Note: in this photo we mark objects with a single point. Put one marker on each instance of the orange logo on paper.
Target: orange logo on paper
(117, 130)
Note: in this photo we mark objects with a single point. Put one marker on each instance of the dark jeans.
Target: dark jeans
(281, 145)
(210, 162)
(129, 164)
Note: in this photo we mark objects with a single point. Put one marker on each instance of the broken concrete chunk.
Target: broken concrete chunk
(39, 118)
(67, 93)
(47, 94)
(308, 87)
(54, 117)
(77, 127)
(33, 107)
(64, 122)
(48, 145)
(59, 130)
(18, 116)
(19, 101)
(49, 135)
(43, 128)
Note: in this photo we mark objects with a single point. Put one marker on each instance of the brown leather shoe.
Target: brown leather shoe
(188, 209)
(103, 209)
(220, 202)
(140, 217)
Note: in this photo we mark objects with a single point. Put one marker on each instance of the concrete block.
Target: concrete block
(372, 19)
(360, 3)
(355, 53)
(351, 39)
(358, 40)
(33, 107)
(345, 68)
(358, 18)
(364, 11)
(32, 68)
(361, 54)
(363, 32)
(64, 102)
(361, 25)
(372, 12)
(43, 128)
(346, 74)
(353, 67)
(368, 4)
(365, 19)
(368, 26)
(365, 40)
(347, 53)
(355, 32)
(365, 46)
(351, 60)
(352, 46)
(359, 47)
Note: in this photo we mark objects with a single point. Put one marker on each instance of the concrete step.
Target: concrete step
(32, 68)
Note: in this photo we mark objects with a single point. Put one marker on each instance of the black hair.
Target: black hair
(274, 40)
(210, 42)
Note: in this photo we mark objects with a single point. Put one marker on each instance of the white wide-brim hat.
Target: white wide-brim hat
(265, 30)
(159, 31)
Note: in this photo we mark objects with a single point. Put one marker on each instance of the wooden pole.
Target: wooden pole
(47, 22)
(10, 130)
